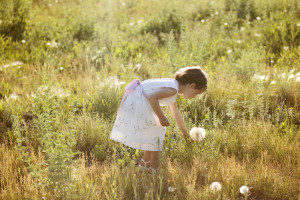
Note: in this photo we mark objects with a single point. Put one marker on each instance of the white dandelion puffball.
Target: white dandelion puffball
(244, 190)
(216, 186)
(197, 133)
(170, 189)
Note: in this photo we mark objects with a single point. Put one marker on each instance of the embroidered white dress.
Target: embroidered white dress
(136, 124)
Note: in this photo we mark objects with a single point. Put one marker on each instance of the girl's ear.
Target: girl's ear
(193, 85)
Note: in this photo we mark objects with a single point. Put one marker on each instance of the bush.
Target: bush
(14, 15)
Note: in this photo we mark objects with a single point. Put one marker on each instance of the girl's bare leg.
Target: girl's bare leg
(146, 157)
(155, 159)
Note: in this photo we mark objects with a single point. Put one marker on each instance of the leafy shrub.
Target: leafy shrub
(14, 15)
(164, 24)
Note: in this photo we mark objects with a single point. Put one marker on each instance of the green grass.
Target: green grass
(59, 101)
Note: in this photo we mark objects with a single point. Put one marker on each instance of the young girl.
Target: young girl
(140, 122)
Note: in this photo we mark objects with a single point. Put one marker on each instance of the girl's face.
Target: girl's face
(190, 92)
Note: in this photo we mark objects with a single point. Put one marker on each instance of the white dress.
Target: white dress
(136, 124)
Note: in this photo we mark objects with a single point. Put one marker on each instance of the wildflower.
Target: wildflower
(13, 96)
(272, 61)
(286, 48)
(216, 13)
(257, 35)
(131, 24)
(13, 64)
(123, 4)
(225, 23)
(297, 24)
(283, 75)
(23, 41)
(258, 18)
(273, 82)
(202, 20)
(170, 189)
(298, 74)
(53, 44)
(298, 79)
(291, 76)
(242, 28)
(260, 77)
(292, 71)
(239, 41)
(49, 4)
(244, 190)
(56, 1)
(140, 21)
(197, 133)
(215, 186)
(61, 68)
(285, 10)
(229, 51)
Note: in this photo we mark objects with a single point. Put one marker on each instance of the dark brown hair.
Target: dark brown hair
(189, 75)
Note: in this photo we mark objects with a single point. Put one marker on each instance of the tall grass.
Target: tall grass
(55, 130)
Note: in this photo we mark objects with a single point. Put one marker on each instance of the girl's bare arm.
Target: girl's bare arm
(178, 118)
(153, 100)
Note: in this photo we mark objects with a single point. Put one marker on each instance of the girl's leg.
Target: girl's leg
(155, 159)
(146, 157)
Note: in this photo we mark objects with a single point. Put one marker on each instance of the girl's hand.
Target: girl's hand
(164, 121)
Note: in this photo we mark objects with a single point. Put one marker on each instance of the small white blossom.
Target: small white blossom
(140, 21)
(291, 76)
(225, 24)
(61, 68)
(202, 20)
(13, 64)
(137, 66)
(229, 51)
(215, 186)
(258, 18)
(23, 41)
(242, 28)
(239, 41)
(297, 24)
(273, 82)
(285, 10)
(298, 74)
(283, 75)
(13, 96)
(170, 189)
(50, 5)
(286, 48)
(197, 133)
(132, 23)
(244, 190)
(272, 61)
(56, 1)
(298, 79)
(260, 77)
(292, 71)
(123, 4)
(216, 13)
(257, 35)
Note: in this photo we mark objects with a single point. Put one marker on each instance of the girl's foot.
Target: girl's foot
(144, 166)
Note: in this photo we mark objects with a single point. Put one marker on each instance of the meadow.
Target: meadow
(64, 65)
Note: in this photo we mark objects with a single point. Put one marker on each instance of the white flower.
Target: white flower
(297, 24)
(285, 10)
(132, 23)
(23, 41)
(283, 75)
(140, 21)
(244, 190)
(61, 68)
(13, 64)
(298, 74)
(291, 76)
(298, 79)
(292, 71)
(225, 23)
(257, 35)
(137, 66)
(202, 20)
(258, 18)
(53, 44)
(215, 186)
(242, 28)
(49, 4)
(286, 48)
(260, 77)
(123, 4)
(197, 133)
(273, 82)
(272, 61)
(216, 13)
(13, 96)
(229, 51)
(170, 189)
(239, 41)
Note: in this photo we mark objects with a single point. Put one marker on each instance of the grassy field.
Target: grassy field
(63, 68)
